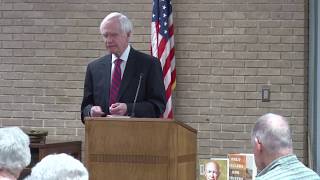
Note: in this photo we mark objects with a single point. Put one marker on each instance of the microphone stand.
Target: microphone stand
(135, 98)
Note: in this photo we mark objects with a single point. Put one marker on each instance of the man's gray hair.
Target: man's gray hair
(126, 25)
(14, 149)
(59, 167)
(273, 132)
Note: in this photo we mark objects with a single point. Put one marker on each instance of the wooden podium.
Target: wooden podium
(140, 149)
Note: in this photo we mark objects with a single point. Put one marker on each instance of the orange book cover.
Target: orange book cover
(242, 167)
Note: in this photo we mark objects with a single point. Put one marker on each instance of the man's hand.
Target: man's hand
(118, 109)
(96, 111)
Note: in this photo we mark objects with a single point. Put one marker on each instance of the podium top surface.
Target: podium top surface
(129, 119)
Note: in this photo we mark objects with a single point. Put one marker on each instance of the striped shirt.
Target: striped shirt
(287, 168)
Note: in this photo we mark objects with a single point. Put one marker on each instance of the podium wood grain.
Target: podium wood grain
(140, 149)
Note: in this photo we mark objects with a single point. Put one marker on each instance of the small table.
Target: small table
(40, 150)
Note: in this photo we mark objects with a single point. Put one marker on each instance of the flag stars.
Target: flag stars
(162, 10)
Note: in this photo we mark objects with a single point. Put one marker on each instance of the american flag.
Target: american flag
(162, 46)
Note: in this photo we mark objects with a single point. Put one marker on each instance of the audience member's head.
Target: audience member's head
(14, 152)
(273, 152)
(212, 170)
(271, 139)
(59, 167)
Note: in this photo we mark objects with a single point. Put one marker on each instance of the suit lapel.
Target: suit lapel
(106, 76)
(128, 73)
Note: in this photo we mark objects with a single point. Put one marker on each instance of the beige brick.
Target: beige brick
(292, 55)
(269, 39)
(246, 55)
(222, 24)
(258, 15)
(6, 99)
(235, 7)
(67, 100)
(252, 64)
(55, 45)
(292, 72)
(187, 78)
(222, 39)
(200, 55)
(209, 79)
(298, 47)
(257, 31)
(292, 88)
(65, 131)
(269, 71)
(258, 47)
(281, 15)
(234, 47)
(298, 15)
(10, 106)
(299, 80)
(12, 44)
(279, 63)
(210, 15)
(264, 7)
(292, 39)
(245, 87)
(10, 122)
(232, 80)
(232, 63)
(292, 24)
(232, 95)
(293, 7)
(245, 24)
(246, 39)
(74, 124)
(222, 71)
(281, 96)
(33, 123)
(223, 55)
(232, 128)
(187, 110)
(269, 55)
(54, 115)
(298, 97)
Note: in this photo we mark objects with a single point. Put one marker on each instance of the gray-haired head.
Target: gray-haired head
(126, 25)
(273, 132)
(14, 150)
(59, 167)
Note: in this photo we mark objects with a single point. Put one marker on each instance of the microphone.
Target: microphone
(135, 98)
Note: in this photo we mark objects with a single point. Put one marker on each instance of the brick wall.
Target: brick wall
(226, 51)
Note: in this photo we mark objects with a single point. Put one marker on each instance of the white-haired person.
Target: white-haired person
(272, 146)
(14, 152)
(111, 81)
(58, 167)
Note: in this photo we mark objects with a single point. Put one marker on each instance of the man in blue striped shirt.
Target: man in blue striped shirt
(272, 146)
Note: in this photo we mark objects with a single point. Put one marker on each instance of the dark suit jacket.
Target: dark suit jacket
(151, 98)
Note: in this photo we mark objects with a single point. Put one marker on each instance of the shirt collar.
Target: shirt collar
(277, 162)
(124, 56)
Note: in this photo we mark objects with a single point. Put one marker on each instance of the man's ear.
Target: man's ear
(257, 144)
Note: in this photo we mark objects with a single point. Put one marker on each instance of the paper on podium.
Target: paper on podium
(117, 116)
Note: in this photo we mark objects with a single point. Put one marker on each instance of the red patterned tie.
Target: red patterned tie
(116, 81)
